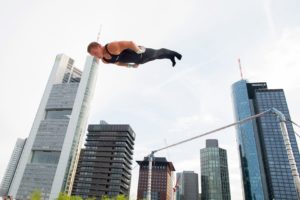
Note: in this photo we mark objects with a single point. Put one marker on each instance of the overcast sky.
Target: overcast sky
(162, 104)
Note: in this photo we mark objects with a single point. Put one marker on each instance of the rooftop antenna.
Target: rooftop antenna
(241, 71)
(99, 33)
(168, 155)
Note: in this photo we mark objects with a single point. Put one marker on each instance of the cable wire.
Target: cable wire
(213, 131)
(298, 135)
(293, 123)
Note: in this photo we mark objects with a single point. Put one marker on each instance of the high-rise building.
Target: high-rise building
(161, 181)
(265, 166)
(214, 172)
(187, 187)
(11, 167)
(50, 155)
(105, 164)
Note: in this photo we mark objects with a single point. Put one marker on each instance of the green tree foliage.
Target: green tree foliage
(122, 197)
(105, 198)
(75, 198)
(119, 197)
(64, 196)
(36, 195)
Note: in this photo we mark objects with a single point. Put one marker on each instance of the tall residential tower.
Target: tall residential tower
(50, 155)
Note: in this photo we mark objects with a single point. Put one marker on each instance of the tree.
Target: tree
(105, 197)
(64, 196)
(122, 197)
(75, 198)
(36, 195)
(119, 197)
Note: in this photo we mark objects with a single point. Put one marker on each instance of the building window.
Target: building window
(58, 114)
(45, 157)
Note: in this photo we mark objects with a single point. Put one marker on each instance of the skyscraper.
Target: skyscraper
(48, 161)
(11, 167)
(214, 172)
(105, 164)
(187, 187)
(161, 181)
(265, 167)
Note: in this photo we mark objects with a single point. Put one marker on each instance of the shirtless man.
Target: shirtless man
(128, 54)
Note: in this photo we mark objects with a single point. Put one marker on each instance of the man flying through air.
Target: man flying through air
(128, 54)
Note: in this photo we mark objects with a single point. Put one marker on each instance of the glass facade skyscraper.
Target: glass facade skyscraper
(265, 167)
(214, 172)
(50, 154)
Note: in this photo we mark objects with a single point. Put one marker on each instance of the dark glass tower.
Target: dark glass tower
(265, 167)
(161, 182)
(105, 164)
(214, 172)
(187, 187)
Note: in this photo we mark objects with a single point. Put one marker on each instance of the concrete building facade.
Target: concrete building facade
(105, 163)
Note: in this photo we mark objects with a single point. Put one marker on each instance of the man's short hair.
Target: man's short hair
(92, 45)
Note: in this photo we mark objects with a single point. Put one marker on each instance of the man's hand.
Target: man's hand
(127, 64)
(136, 65)
(133, 65)
(141, 50)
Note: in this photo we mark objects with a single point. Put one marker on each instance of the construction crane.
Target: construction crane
(287, 143)
(175, 188)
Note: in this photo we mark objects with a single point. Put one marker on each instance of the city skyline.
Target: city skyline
(162, 104)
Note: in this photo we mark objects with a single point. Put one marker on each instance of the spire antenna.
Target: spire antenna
(99, 33)
(241, 71)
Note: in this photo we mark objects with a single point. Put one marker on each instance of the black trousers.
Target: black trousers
(153, 54)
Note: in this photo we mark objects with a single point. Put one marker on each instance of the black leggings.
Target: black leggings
(153, 54)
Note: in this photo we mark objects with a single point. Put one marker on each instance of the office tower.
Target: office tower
(214, 172)
(105, 164)
(265, 167)
(161, 181)
(187, 187)
(50, 155)
(11, 167)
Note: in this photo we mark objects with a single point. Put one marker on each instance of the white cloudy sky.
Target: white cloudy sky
(162, 104)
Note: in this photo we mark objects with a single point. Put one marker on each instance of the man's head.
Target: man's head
(95, 49)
